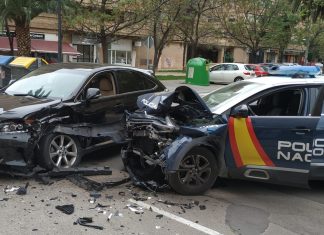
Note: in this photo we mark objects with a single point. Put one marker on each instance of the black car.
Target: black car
(57, 113)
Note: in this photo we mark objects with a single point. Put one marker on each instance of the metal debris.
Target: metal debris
(86, 221)
(135, 208)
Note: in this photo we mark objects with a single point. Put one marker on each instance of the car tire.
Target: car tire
(190, 179)
(237, 79)
(59, 151)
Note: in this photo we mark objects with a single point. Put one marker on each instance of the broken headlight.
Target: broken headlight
(13, 127)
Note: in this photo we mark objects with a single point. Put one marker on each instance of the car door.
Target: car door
(101, 110)
(274, 143)
(217, 73)
(317, 163)
(230, 73)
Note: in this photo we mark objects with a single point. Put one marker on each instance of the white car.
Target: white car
(230, 72)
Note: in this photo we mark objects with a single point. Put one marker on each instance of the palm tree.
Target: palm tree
(21, 12)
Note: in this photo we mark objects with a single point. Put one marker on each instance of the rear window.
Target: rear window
(129, 81)
(249, 67)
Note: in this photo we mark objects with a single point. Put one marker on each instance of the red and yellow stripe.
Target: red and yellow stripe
(245, 146)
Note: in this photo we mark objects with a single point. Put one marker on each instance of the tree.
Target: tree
(161, 26)
(282, 29)
(21, 12)
(105, 19)
(198, 22)
(311, 13)
(248, 22)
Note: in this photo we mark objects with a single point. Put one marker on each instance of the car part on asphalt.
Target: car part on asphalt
(22, 190)
(91, 185)
(87, 222)
(66, 209)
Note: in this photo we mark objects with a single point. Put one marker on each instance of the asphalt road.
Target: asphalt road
(230, 207)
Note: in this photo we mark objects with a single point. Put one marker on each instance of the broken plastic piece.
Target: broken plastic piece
(86, 221)
(66, 209)
(22, 190)
(12, 189)
(135, 208)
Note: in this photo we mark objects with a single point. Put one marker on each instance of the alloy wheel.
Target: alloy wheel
(194, 170)
(63, 151)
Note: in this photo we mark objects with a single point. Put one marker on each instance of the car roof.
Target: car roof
(264, 84)
(279, 80)
(88, 67)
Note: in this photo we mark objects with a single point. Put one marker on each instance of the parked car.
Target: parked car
(267, 129)
(230, 72)
(259, 70)
(59, 112)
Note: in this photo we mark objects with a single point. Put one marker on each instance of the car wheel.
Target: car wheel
(237, 79)
(59, 150)
(197, 172)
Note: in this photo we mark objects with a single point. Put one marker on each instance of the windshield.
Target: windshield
(59, 84)
(229, 92)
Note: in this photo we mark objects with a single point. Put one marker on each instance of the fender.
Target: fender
(182, 145)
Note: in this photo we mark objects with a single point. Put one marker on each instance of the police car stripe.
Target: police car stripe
(233, 144)
(245, 144)
(257, 144)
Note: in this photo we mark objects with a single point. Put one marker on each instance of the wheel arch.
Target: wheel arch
(174, 158)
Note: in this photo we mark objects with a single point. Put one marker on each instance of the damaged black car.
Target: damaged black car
(57, 113)
(267, 129)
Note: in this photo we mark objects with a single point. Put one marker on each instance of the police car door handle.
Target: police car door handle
(301, 131)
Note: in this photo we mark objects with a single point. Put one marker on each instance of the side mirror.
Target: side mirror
(241, 111)
(92, 93)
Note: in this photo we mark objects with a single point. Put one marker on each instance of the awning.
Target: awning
(25, 62)
(5, 60)
(41, 46)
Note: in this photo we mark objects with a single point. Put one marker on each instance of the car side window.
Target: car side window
(104, 82)
(129, 81)
(232, 67)
(217, 68)
(281, 103)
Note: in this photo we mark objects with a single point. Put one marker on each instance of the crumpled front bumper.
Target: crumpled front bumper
(16, 149)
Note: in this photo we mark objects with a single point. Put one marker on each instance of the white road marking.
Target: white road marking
(176, 218)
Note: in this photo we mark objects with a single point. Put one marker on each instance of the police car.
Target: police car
(267, 129)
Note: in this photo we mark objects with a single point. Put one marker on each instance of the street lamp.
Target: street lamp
(59, 29)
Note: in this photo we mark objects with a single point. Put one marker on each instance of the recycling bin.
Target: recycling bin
(197, 72)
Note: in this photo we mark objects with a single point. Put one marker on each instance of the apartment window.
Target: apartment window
(87, 53)
(119, 57)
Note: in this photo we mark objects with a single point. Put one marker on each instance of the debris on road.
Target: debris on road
(12, 189)
(22, 190)
(66, 209)
(91, 185)
(87, 222)
(135, 208)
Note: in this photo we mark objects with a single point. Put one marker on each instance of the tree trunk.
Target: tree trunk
(253, 56)
(23, 39)
(281, 55)
(104, 47)
(156, 59)
(10, 37)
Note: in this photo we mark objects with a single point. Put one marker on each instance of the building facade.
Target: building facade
(136, 51)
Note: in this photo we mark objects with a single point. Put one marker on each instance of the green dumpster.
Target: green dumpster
(197, 72)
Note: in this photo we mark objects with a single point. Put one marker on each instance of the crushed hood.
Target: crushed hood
(12, 107)
(160, 103)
